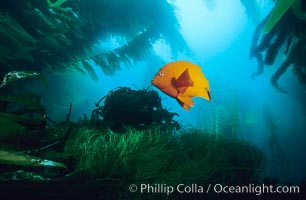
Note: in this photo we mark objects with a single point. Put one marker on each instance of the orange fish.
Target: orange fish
(182, 80)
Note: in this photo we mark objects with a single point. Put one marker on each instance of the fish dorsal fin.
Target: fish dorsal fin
(183, 81)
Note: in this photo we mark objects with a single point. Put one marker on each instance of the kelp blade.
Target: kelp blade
(278, 11)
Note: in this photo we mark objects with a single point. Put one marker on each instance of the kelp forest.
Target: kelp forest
(130, 137)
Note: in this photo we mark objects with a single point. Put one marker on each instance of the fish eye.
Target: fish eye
(161, 73)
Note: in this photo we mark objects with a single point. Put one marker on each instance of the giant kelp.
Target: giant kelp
(56, 35)
(278, 165)
(278, 11)
(288, 31)
(251, 9)
(221, 117)
(124, 108)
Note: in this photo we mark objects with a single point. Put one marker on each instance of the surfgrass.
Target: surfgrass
(111, 161)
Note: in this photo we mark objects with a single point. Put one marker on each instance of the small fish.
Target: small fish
(182, 80)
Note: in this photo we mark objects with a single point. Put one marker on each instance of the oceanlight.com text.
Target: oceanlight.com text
(256, 189)
(213, 188)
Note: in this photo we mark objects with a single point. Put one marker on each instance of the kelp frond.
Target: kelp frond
(287, 33)
(90, 70)
(278, 11)
(64, 32)
(132, 51)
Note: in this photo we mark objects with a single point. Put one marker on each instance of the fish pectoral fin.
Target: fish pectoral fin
(186, 100)
(181, 90)
(183, 82)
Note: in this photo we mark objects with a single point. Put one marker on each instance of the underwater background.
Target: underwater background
(80, 118)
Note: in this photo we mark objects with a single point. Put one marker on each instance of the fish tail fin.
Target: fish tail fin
(206, 94)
